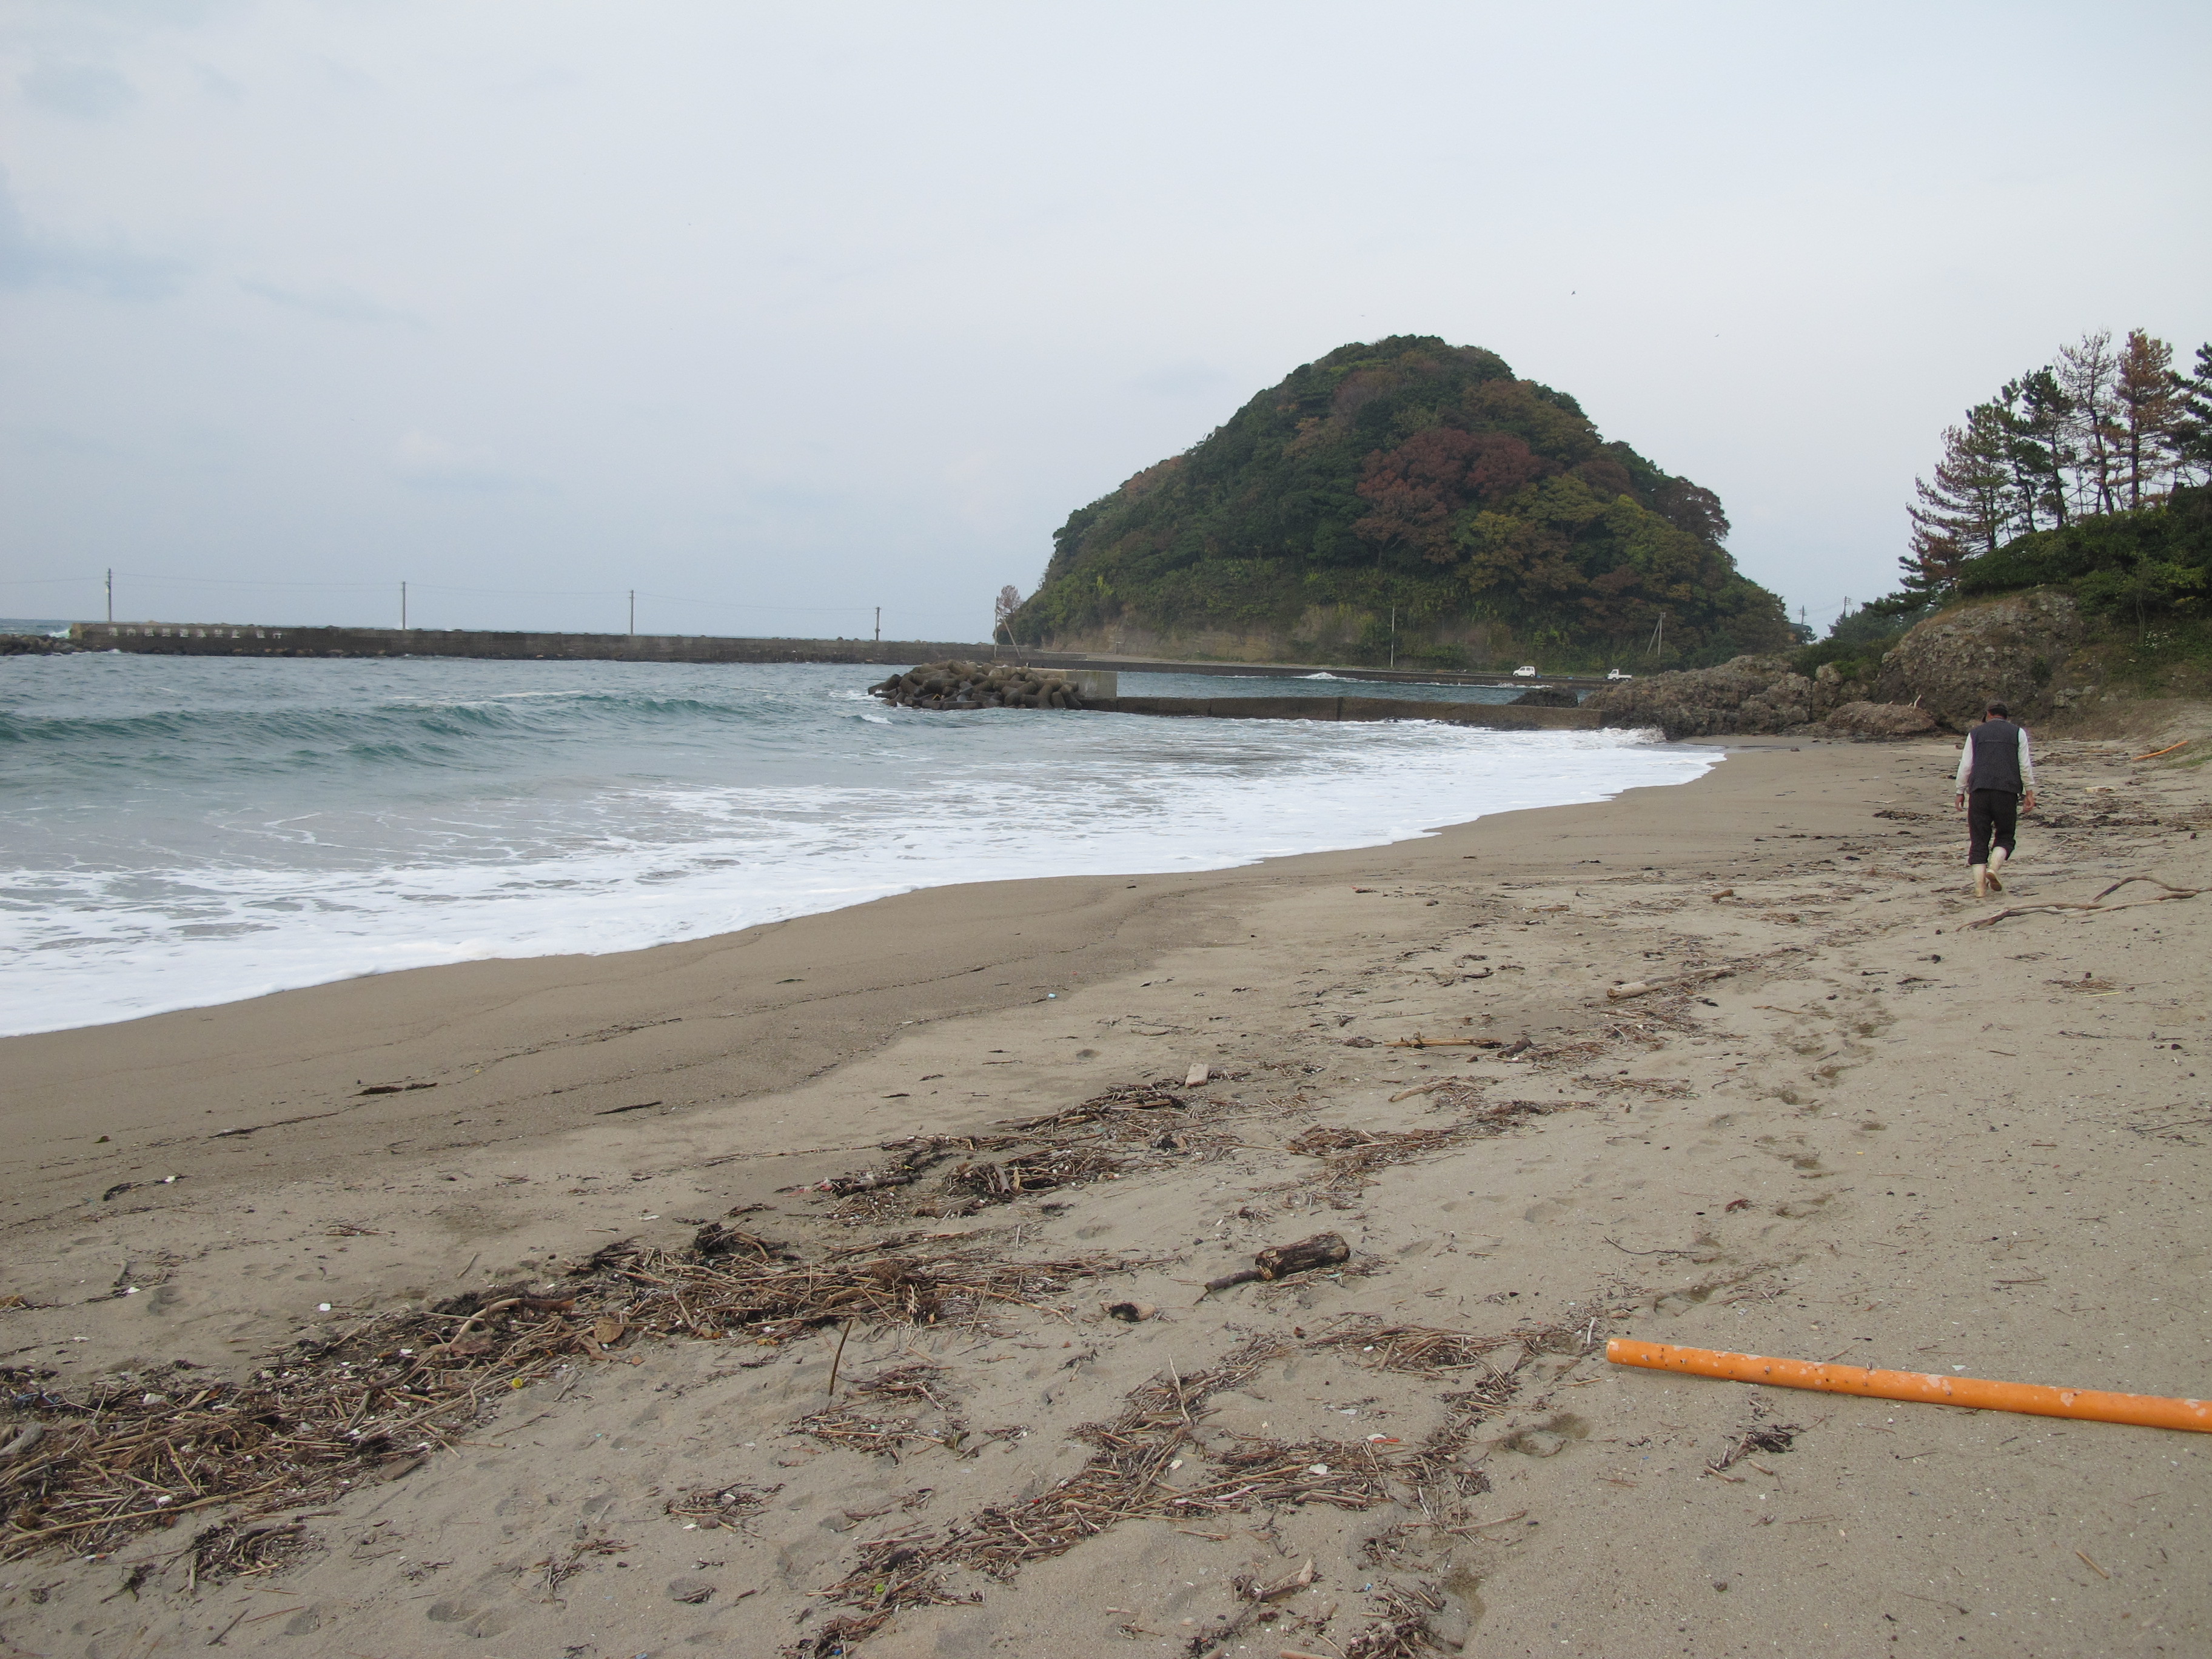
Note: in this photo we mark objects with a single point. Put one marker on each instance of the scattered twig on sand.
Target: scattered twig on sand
(1115, 1104)
(1123, 1131)
(1624, 1250)
(1454, 1084)
(2095, 903)
(1418, 1349)
(1638, 987)
(863, 1425)
(1125, 1478)
(371, 1402)
(1033, 1172)
(559, 1568)
(1280, 1260)
(1403, 1631)
(1353, 1155)
(1139, 1457)
(728, 1506)
(1771, 1437)
(1663, 1088)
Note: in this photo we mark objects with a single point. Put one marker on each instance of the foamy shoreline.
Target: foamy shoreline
(610, 824)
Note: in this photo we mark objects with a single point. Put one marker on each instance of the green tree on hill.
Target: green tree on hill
(2092, 475)
(1413, 474)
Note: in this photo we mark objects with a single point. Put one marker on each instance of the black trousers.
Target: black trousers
(1992, 815)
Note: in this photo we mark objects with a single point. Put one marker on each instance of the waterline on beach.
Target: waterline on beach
(189, 832)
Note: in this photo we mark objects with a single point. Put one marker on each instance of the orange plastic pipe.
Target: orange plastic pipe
(2095, 1404)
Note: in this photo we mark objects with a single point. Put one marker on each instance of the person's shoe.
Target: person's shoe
(1981, 881)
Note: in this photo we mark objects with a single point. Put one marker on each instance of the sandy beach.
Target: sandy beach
(1842, 1125)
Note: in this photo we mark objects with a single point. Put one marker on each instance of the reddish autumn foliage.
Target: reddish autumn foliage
(1414, 483)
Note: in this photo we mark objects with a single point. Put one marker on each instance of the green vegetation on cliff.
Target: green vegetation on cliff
(2089, 477)
(1415, 476)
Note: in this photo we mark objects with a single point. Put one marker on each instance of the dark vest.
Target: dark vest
(1996, 756)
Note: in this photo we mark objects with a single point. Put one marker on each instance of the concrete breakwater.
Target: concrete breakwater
(1496, 716)
(243, 640)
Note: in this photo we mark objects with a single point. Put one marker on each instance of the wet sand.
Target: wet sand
(1844, 1126)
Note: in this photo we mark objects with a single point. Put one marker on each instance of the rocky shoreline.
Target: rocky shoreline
(2024, 649)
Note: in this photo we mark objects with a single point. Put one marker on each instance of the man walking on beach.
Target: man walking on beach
(1996, 785)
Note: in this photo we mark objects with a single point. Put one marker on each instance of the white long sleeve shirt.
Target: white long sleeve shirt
(1966, 764)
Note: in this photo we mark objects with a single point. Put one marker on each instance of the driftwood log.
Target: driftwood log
(2095, 903)
(1638, 987)
(1280, 1260)
(957, 685)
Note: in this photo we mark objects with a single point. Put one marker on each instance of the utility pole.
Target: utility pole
(879, 624)
(110, 593)
(1393, 638)
(632, 613)
(402, 607)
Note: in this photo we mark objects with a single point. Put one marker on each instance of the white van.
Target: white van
(1527, 670)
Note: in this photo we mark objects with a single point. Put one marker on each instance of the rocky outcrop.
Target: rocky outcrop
(2012, 649)
(1880, 719)
(33, 645)
(1547, 697)
(1832, 688)
(1748, 695)
(2026, 650)
(958, 685)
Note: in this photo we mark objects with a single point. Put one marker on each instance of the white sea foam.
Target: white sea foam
(855, 805)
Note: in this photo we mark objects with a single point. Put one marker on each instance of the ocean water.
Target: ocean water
(176, 832)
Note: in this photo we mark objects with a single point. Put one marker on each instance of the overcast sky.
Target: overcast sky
(777, 313)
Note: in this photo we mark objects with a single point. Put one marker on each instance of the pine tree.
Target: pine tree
(2192, 423)
(2087, 374)
(2038, 418)
(1969, 507)
(2150, 403)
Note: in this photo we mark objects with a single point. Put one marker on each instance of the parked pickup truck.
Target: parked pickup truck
(1615, 674)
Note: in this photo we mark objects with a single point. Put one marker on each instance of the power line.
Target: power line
(630, 596)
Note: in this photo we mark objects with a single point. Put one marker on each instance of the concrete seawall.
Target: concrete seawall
(1498, 717)
(241, 639)
(250, 639)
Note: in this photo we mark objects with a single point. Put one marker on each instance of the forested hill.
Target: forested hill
(1487, 509)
